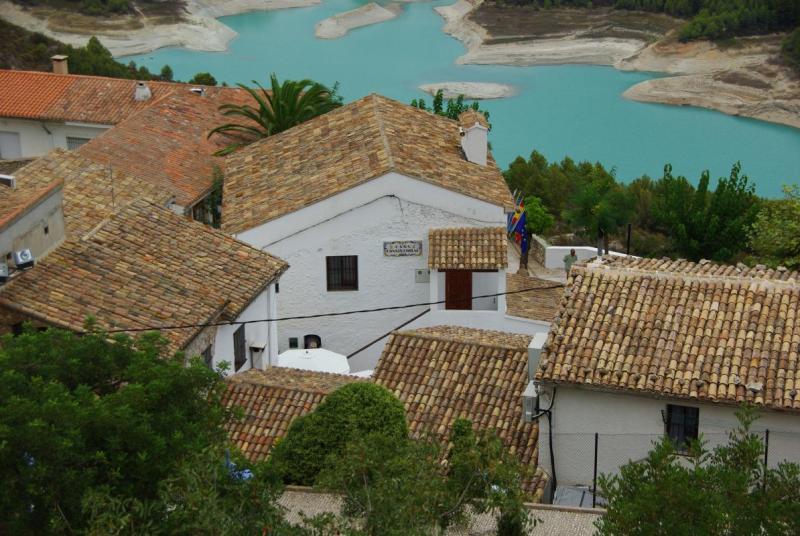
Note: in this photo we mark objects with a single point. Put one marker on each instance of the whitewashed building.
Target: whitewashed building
(40, 111)
(350, 198)
(109, 248)
(644, 348)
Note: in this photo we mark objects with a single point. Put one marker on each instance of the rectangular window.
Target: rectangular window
(342, 272)
(682, 422)
(10, 146)
(73, 142)
(208, 357)
(239, 350)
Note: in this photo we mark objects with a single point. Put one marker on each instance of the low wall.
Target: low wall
(554, 255)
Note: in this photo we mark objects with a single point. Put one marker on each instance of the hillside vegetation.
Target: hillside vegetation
(107, 7)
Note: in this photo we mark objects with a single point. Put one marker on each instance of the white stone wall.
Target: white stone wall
(357, 222)
(629, 424)
(35, 140)
(256, 334)
(28, 231)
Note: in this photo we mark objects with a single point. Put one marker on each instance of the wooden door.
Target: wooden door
(458, 289)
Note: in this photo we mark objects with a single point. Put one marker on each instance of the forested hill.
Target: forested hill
(707, 19)
(108, 7)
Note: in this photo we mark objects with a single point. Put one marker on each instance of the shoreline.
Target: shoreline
(200, 30)
(741, 81)
(340, 24)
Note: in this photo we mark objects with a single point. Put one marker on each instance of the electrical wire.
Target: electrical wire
(325, 315)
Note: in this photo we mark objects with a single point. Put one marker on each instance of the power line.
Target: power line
(325, 315)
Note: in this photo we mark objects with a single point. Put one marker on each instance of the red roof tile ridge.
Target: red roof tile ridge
(261, 378)
(76, 76)
(382, 130)
(35, 199)
(451, 334)
(687, 273)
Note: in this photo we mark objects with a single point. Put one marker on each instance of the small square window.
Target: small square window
(342, 272)
(293, 342)
(682, 425)
(46, 229)
(75, 142)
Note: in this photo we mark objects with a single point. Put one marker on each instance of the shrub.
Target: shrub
(351, 412)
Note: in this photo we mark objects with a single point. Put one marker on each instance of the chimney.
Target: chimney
(474, 130)
(142, 92)
(535, 353)
(59, 62)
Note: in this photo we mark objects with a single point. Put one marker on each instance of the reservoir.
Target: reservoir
(571, 110)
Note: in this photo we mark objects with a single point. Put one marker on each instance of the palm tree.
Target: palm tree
(283, 106)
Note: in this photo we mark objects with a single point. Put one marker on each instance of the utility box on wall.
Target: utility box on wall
(422, 275)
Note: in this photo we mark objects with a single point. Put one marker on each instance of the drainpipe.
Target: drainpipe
(52, 140)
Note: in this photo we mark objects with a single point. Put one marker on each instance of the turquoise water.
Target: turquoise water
(560, 110)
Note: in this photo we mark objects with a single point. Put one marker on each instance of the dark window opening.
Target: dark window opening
(312, 341)
(342, 272)
(293, 342)
(682, 424)
(208, 358)
(46, 229)
(239, 350)
(277, 288)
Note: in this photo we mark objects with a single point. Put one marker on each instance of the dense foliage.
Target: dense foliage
(400, 487)
(669, 216)
(284, 105)
(85, 416)
(349, 413)
(791, 49)
(725, 492)
(709, 19)
(452, 109)
(775, 235)
(103, 7)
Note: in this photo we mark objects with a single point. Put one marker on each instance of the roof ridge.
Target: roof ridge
(78, 76)
(382, 129)
(443, 338)
(264, 380)
(667, 273)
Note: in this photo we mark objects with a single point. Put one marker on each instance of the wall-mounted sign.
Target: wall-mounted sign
(403, 248)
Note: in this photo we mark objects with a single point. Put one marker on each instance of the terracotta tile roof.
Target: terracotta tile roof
(271, 399)
(144, 266)
(347, 147)
(9, 167)
(167, 143)
(542, 305)
(69, 97)
(702, 331)
(468, 248)
(17, 201)
(447, 372)
(91, 192)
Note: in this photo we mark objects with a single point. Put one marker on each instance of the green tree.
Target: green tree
(203, 79)
(393, 487)
(284, 105)
(203, 496)
(451, 109)
(775, 234)
(84, 413)
(166, 73)
(724, 492)
(352, 411)
(790, 50)
(537, 221)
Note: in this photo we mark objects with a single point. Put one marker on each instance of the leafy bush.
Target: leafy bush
(203, 79)
(791, 49)
(350, 412)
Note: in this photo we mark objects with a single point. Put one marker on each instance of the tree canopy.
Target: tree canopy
(727, 491)
(450, 109)
(284, 105)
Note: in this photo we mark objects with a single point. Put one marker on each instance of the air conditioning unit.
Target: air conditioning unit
(23, 259)
(530, 402)
(8, 180)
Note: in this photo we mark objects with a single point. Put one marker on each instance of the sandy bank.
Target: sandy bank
(744, 80)
(470, 90)
(572, 48)
(198, 31)
(338, 25)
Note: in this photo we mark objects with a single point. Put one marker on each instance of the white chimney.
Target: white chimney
(59, 62)
(474, 130)
(142, 92)
(535, 353)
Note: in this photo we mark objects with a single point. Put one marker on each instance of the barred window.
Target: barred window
(682, 424)
(239, 350)
(342, 272)
(73, 142)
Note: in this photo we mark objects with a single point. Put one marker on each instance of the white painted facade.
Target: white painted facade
(37, 138)
(554, 255)
(40, 228)
(257, 335)
(358, 221)
(628, 424)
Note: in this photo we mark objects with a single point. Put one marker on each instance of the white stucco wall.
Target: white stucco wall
(28, 231)
(357, 222)
(629, 424)
(35, 139)
(256, 334)
(554, 255)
